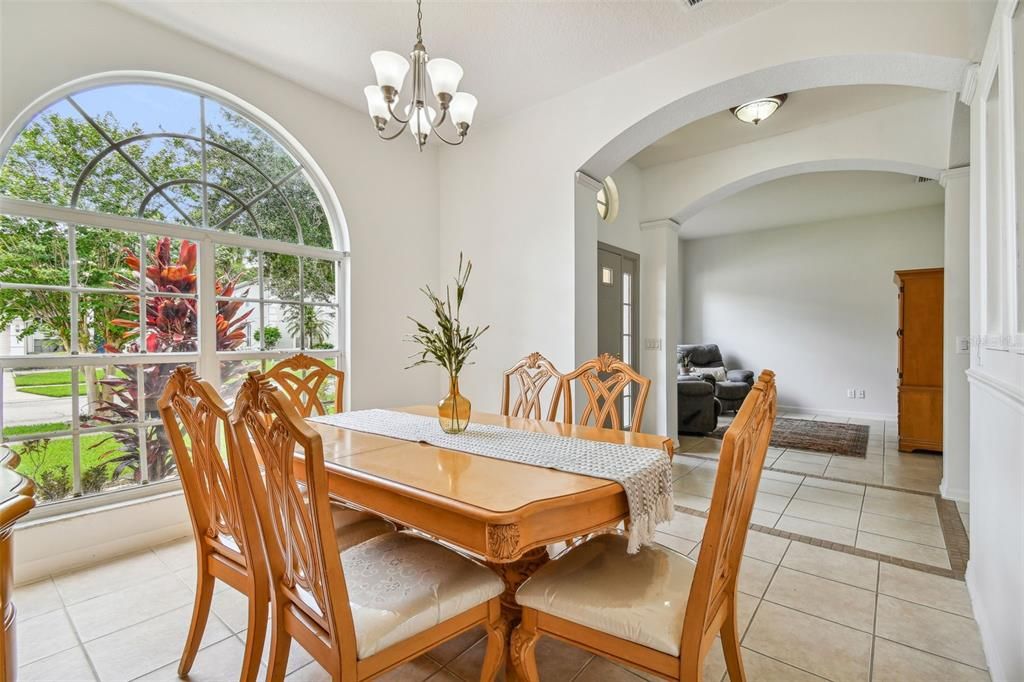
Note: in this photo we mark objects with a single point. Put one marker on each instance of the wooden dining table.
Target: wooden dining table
(504, 513)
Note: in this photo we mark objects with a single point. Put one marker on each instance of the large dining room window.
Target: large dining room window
(145, 225)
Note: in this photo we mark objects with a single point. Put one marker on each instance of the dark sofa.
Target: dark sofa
(734, 389)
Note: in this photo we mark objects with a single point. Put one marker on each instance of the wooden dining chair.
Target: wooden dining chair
(532, 375)
(362, 611)
(605, 380)
(303, 378)
(657, 610)
(229, 546)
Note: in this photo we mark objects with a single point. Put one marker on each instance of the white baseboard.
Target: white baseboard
(836, 413)
(955, 494)
(55, 545)
(995, 669)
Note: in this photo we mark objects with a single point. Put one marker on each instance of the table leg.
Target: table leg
(515, 574)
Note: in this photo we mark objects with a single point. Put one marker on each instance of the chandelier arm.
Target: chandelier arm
(388, 138)
(440, 121)
(396, 116)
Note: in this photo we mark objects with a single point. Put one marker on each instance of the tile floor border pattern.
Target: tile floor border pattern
(958, 543)
(848, 549)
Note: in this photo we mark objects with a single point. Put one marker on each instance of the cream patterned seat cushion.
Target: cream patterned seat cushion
(638, 597)
(401, 584)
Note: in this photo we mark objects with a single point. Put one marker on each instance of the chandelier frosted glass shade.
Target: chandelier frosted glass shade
(444, 76)
(463, 107)
(421, 120)
(376, 103)
(759, 109)
(390, 68)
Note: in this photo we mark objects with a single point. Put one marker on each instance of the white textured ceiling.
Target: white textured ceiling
(514, 53)
(809, 198)
(802, 110)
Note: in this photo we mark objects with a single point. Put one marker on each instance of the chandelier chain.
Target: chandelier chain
(419, 21)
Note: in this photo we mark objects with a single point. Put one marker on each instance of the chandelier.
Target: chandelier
(391, 69)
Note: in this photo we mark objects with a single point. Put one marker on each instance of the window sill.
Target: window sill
(97, 504)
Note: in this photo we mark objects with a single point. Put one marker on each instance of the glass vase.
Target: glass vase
(453, 411)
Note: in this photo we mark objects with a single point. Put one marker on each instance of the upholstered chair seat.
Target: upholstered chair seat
(638, 597)
(402, 584)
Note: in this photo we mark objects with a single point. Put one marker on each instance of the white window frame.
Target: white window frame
(207, 359)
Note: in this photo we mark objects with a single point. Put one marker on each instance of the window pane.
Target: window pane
(627, 287)
(113, 186)
(107, 323)
(227, 170)
(36, 321)
(274, 214)
(238, 133)
(240, 269)
(233, 373)
(105, 257)
(49, 463)
(318, 325)
(109, 460)
(315, 229)
(172, 324)
(124, 110)
(108, 395)
(281, 276)
(238, 325)
(32, 252)
(318, 279)
(46, 159)
(287, 318)
(40, 401)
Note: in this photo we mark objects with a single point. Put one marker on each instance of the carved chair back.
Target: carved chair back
(306, 574)
(713, 591)
(303, 378)
(604, 381)
(196, 421)
(531, 374)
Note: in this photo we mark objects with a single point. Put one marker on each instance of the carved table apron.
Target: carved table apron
(504, 512)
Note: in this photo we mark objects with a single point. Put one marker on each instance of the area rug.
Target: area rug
(848, 440)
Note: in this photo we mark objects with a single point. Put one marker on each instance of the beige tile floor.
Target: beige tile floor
(836, 498)
(807, 613)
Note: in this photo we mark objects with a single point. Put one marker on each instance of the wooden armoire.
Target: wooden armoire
(920, 359)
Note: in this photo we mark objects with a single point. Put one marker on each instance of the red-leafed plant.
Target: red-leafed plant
(172, 326)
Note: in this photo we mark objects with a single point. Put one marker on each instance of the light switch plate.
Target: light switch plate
(652, 344)
(963, 345)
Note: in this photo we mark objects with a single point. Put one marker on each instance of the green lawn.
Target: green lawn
(93, 450)
(60, 376)
(56, 391)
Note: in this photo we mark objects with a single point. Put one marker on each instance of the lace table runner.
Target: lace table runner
(644, 473)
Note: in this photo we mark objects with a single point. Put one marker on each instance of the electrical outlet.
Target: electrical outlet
(861, 393)
(851, 393)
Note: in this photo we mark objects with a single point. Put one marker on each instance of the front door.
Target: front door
(618, 297)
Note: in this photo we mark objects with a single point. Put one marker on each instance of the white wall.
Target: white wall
(995, 574)
(388, 192)
(815, 303)
(509, 198)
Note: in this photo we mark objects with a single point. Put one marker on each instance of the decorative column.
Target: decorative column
(956, 323)
(661, 311)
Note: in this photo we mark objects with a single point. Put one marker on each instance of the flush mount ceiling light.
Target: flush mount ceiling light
(758, 110)
(444, 75)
